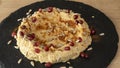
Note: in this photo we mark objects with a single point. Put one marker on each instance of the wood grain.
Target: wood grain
(110, 7)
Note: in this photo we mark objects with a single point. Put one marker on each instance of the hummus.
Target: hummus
(53, 35)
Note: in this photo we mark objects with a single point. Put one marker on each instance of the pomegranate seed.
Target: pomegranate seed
(50, 9)
(13, 34)
(80, 39)
(68, 11)
(37, 43)
(79, 21)
(71, 44)
(21, 33)
(34, 19)
(83, 55)
(31, 36)
(46, 48)
(23, 27)
(37, 50)
(40, 10)
(75, 16)
(48, 64)
(86, 56)
(92, 32)
(67, 48)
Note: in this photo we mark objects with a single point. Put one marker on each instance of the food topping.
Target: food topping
(48, 65)
(67, 48)
(21, 33)
(37, 50)
(34, 19)
(31, 36)
(50, 9)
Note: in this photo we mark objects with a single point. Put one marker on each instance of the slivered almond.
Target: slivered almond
(19, 61)
(32, 63)
(9, 42)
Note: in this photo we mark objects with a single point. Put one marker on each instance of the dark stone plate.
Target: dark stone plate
(100, 57)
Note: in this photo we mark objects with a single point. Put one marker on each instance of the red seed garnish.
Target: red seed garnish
(37, 43)
(37, 50)
(46, 48)
(75, 16)
(71, 44)
(23, 27)
(50, 9)
(21, 33)
(80, 39)
(13, 34)
(84, 55)
(92, 31)
(31, 36)
(67, 48)
(48, 65)
(68, 11)
(79, 21)
(40, 10)
(34, 19)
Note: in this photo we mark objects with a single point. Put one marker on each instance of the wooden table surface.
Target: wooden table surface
(110, 7)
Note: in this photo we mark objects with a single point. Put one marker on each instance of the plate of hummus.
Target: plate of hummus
(57, 34)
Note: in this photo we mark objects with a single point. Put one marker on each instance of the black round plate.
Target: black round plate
(100, 57)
